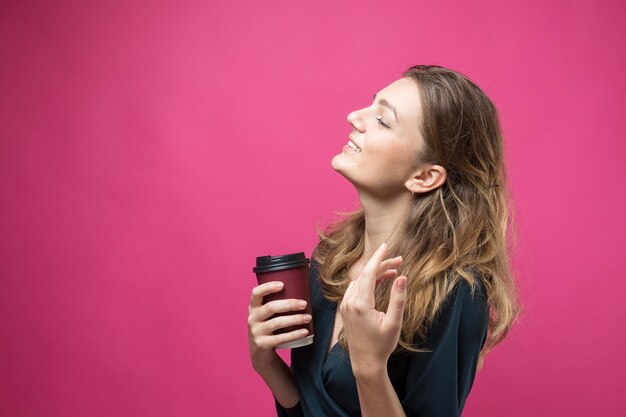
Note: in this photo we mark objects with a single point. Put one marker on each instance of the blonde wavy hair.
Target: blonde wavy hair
(461, 230)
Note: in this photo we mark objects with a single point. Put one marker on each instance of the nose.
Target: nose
(355, 121)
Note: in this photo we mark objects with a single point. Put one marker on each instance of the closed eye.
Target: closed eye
(380, 122)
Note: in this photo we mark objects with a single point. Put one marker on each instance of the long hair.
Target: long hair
(460, 230)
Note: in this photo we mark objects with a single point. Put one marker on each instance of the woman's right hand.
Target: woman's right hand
(261, 327)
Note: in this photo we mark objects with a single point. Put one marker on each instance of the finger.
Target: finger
(392, 273)
(370, 270)
(260, 291)
(281, 322)
(390, 264)
(347, 296)
(269, 342)
(349, 289)
(278, 306)
(397, 301)
(388, 269)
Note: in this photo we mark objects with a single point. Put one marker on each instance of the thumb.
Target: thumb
(397, 300)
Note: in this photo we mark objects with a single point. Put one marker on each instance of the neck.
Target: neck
(382, 219)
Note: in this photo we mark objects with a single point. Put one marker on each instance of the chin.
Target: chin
(340, 168)
(336, 162)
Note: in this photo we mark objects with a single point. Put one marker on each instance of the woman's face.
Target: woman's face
(388, 139)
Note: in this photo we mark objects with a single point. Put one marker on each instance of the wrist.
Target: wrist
(266, 363)
(369, 370)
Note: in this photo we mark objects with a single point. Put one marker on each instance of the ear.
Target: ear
(427, 178)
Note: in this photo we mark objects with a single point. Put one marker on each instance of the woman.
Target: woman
(411, 290)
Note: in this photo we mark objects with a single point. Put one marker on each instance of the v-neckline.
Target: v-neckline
(332, 331)
(333, 320)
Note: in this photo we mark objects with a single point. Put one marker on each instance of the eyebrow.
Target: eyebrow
(385, 103)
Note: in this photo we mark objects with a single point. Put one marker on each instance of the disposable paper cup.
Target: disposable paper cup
(293, 270)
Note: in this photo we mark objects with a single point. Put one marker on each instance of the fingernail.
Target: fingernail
(279, 285)
(402, 284)
(302, 303)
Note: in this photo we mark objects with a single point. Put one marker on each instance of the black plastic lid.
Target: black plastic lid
(276, 263)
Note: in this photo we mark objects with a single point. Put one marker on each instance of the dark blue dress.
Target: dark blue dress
(433, 384)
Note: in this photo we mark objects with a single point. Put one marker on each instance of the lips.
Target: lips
(353, 145)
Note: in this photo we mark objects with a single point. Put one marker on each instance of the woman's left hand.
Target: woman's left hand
(373, 335)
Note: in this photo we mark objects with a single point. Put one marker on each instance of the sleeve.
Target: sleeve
(438, 382)
(295, 411)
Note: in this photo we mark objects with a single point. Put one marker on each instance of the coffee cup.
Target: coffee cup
(293, 270)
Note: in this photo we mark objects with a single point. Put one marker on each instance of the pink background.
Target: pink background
(150, 150)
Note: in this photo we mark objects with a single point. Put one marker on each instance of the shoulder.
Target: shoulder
(472, 308)
(440, 378)
(466, 296)
(313, 268)
(313, 264)
(465, 313)
(314, 283)
(473, 297)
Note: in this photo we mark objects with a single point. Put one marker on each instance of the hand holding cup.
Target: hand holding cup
(263, 322)
(280, 313)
